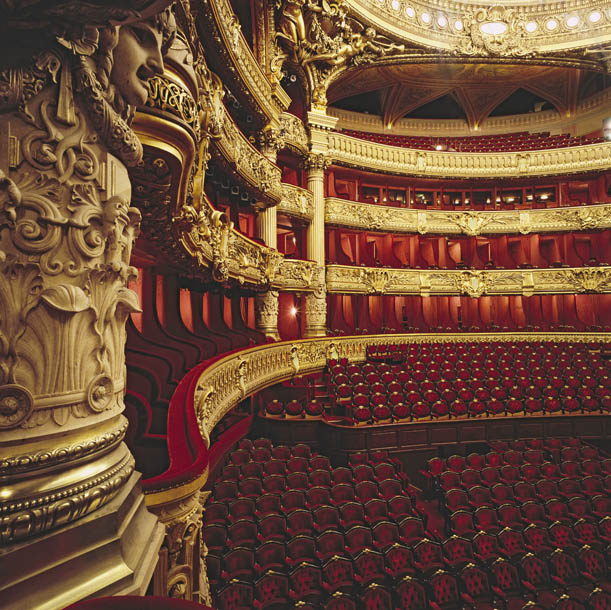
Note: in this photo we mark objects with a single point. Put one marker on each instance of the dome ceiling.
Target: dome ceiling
(477, 88)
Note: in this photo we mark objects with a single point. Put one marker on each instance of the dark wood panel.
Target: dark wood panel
(424, 440)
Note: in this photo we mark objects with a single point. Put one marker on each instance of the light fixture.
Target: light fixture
(293, 311)
(493, 28)
(487, 199)
(442, 22)
(572, 21)
(410, 12)
(395, 5)
(458, 26)
(498, 200)
(551, 24)
(544, 197)
(531, 26)
(426, 17)
(595, 16)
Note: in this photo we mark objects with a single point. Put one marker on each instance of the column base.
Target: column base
(112, 551)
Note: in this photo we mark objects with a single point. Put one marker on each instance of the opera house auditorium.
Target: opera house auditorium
(305, 304)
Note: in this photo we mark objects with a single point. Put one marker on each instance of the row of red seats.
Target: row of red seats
(363, 414)
(517, 453)
(293, 409)
(527, 474)
(501, 142)
(558, 581)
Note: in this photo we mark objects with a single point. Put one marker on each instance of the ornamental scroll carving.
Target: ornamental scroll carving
(67, 227)
(344, 213)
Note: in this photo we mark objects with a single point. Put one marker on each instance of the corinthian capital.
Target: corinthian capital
(316, 161)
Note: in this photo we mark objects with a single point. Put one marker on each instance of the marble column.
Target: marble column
(266, 304)
(316, 302)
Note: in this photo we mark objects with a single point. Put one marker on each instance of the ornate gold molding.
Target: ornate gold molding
(296, 202)
(293, 132)
(356, 215)
(473, 283)
(363, 154)
(295, 274)
(222, 385)
(246, 162)
(221, 34)
(530, 27)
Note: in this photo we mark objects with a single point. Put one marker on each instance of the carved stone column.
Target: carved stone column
(266, 313)
(73, 522)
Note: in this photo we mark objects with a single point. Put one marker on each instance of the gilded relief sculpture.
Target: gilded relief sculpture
(321, 38)
(67, 227)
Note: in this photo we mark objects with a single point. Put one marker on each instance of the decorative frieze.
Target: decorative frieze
(297, 202)
(293, 132)
(474, 283)
(247, 164)
(363, 154)
(296, 275)
(354, 215)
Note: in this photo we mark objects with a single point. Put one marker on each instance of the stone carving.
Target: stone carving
(266, 313)
(217, 23)
(182, 547)
(67, 232)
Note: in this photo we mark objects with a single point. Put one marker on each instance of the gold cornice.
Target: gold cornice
(222, 35)
(345, 279)
(367, 155)
(232, 378)
(354, 215)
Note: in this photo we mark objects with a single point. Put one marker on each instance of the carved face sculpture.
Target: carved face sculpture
(137, 58)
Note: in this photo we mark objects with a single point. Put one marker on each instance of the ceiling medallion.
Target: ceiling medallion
(493, 31)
